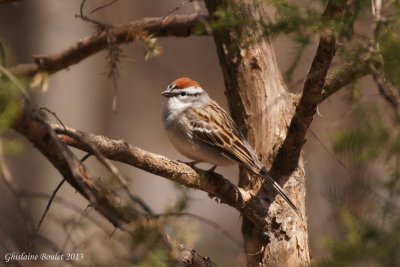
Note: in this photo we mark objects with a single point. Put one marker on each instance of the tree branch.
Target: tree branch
(214, 184)
(289, 153)
(346, 74)
(177, 25)
(32, 125)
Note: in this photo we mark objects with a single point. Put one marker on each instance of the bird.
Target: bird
(204, 132)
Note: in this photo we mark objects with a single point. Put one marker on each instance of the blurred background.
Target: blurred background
(82, 98)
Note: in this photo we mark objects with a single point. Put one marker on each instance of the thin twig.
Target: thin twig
(179, 6)
(54, 115)
(29, 105)
(114, 52)
(103, 6)
(97, 23)
(86, 157)
(341, 163)
(71, 229)
(64, 203)
(209, 222)
(347, 169)
(49, 203)
(110, 167)
(177, 26)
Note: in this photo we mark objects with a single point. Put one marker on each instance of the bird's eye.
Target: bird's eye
(182, 94)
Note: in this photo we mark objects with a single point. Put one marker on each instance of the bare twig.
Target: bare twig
(54, 115)
(179, 6)
(100, 25)
(68, 232)
(205, 221)
(103, 6)
(178, 26)
(86, 156)
(33, 126)
(111, 168)
(114, 52)
(64, 203)
(59, 185)
(49, 203)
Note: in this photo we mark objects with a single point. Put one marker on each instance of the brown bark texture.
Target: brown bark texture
(274, 123)
(261, 105)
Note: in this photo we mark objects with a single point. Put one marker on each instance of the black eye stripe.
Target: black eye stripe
(187, 94)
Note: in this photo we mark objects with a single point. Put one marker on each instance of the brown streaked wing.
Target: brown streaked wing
(217, 129)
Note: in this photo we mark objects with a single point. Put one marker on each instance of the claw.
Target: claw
(212, 168)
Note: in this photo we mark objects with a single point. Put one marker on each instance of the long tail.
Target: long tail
(280, 191)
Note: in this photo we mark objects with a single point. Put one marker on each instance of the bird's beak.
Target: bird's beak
(167, 93)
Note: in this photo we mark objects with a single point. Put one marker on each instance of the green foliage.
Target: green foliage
(363, 244)
(365, 141)
(157, 258)
(11, 147)
(294, 18)
(9, 104)
(225, 20)
(390, 47)
(368, 229)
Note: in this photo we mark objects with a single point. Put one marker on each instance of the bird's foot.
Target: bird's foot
(212, 169)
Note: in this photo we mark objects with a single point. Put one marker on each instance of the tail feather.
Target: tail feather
(280, 191)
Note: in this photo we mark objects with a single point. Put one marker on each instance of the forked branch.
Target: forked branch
(33, 126)
(289, 153)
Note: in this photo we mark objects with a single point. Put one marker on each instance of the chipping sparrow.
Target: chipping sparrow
(202, 131)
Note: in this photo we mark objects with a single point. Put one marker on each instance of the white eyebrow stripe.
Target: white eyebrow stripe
(192, 90)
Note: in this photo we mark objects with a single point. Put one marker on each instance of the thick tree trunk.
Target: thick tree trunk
(262, 107)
